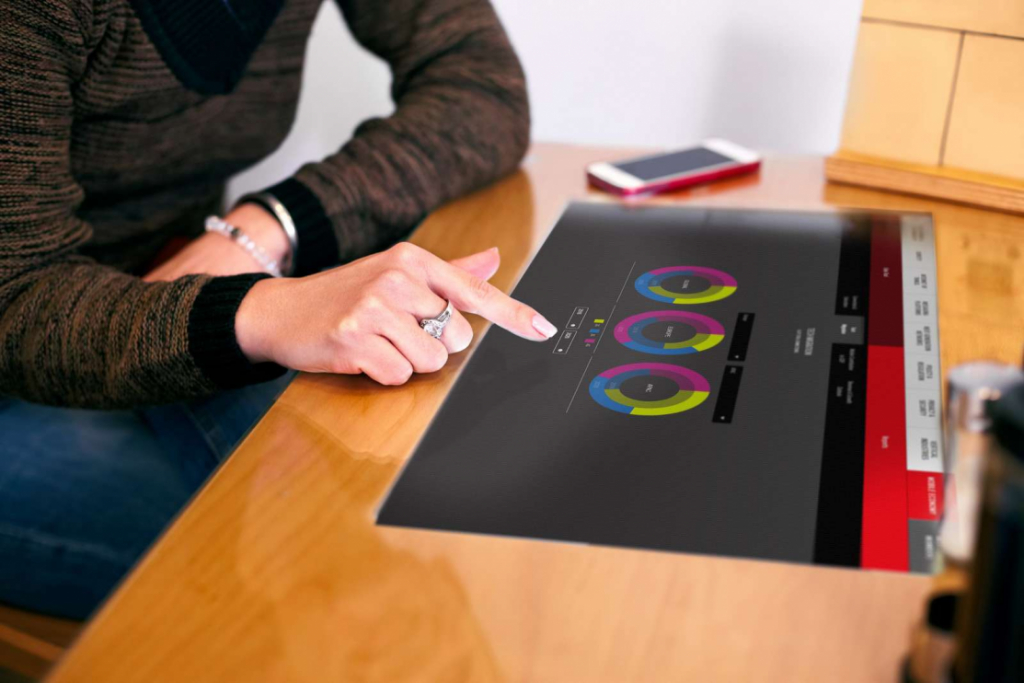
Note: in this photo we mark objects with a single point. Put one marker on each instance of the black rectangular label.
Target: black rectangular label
(576, 319)
(854, 268)
(741, 336)
(564, 342)
(728, 394)
(841, 490)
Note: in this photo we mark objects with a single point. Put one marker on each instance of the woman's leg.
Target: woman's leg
(213, 425)
(83, 493)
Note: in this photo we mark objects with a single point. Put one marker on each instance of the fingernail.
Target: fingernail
(541, 324)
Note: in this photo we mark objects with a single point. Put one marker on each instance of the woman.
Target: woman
(122, 385)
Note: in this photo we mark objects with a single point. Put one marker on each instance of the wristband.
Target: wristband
(284, 218)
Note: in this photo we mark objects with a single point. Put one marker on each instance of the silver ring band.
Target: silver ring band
(435, 326)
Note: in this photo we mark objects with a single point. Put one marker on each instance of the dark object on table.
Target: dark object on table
(991, 629)
(933, 643)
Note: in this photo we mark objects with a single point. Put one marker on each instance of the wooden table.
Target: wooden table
(277, 572)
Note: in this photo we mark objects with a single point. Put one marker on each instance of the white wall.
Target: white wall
(770, 74)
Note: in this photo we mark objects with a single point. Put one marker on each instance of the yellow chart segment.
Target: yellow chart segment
(699, 342)
(680, 402)
(713, 293)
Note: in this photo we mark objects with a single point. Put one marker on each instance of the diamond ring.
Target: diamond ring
(435, 326)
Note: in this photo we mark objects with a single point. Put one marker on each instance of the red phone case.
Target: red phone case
(677, 183)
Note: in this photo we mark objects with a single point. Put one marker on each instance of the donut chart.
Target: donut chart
(658, 332)
(652, 285)
(691, 389)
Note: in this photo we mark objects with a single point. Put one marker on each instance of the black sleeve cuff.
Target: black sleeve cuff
(211, 334)
(318, 245)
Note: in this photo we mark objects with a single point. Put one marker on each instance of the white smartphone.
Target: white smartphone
(712, 160)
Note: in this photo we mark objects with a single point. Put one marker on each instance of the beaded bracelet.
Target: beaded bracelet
(272, 204)
(235, 234)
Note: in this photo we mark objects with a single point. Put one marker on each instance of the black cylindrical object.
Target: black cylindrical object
(991, 631)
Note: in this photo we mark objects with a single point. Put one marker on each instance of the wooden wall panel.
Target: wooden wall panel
(1001, 17)
(986, 129)
(899, 94)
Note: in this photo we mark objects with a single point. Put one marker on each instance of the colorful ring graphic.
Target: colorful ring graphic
(720, 285)
(606, 389)
(630, 333)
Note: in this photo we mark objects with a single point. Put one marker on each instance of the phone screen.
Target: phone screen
(675, 163)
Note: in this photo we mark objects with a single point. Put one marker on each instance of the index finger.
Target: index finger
(474, 295)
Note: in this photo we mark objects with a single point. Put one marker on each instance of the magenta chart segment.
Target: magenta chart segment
(669, 333)
(672, 285)
(649, 389)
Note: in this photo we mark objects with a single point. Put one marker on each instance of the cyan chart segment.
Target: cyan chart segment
(606, 389)
(719, 285)
(708, 332)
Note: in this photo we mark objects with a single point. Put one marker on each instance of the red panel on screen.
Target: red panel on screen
(884, 535)
(924, 495)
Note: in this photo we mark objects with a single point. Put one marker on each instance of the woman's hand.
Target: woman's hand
(213, 254)
(364, 317)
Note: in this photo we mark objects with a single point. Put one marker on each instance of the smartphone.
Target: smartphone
(712, 160)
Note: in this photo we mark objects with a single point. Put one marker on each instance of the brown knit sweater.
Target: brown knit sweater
(120, 121)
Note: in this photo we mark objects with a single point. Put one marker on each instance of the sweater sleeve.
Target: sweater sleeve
(74, 332)
(461, 121)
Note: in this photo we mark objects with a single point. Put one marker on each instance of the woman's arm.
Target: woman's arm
(73, 332)
(462, 120)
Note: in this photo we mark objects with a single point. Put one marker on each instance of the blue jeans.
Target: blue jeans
(83, 493)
